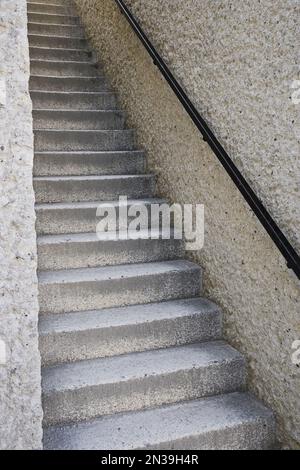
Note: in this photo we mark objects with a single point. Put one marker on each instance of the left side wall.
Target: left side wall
(20, 376)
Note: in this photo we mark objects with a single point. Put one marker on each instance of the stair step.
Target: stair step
(49, 18)
(66, 30)
(42, 40)
(70, 141)
(75, 119)
(91, 188)
(53, 68)
(117, 286)
(72, 251)
(47, 53)
(68, 84)
(88, 163)
(51, 9)
(235, 421)
(97, 387)
(50, 5)
(81, 217)
(79, 336)
(51, 100)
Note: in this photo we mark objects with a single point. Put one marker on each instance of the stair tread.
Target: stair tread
(62, 62)
(76, 93)
(115, 272)
(157, 427)
(93, 237)
(42, 13)
(92, 178)
(137, 365)
(133, 314)
(79, 112)
(55, 36)
(44, 48)
(94, 204)
(66, 77)
(90, 152)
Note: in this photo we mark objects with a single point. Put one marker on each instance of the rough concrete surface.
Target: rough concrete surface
(20, 391)
(237, 60)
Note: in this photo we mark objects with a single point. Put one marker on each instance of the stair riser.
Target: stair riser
(80, 220)
(68, 164)
(68, 31)
(106, 253)
(80, 101)
(151, 391)
(74, 297)
(60, 54)
(57, 42)
(70, 120)
(38, 17)
(56, 69)
(92, 190)
(68, 84)
(83, 141)
(72, 346)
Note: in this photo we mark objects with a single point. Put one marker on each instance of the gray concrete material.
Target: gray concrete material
(92, 188)
(50, 3)
(86, 389)
(237, 63)
(73, 100)
(68, 84)
(88, 163)
(48, 53)
(55, 68)
(68, 31)
(234, 421)
(51, 8)
(110, 332)
(74, 119)
(74, 251)
(69, 141)
(117, 286)
(81, 217)
(48, 18)
(20, 372)
(41, 40)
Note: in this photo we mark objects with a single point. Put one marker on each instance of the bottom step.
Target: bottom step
(235, 421)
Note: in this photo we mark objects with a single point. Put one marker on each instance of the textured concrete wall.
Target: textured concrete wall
(20, 402)
(237, 61)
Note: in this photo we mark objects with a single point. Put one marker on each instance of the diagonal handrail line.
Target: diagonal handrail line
(280, 240)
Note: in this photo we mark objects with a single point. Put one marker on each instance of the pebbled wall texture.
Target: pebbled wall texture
(238, 61)
(20, 391)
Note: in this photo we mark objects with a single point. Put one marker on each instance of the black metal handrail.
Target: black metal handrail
(284, 246)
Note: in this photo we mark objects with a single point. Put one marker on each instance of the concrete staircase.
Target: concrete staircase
(132, 354)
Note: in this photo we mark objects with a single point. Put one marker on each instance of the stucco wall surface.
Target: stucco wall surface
(237, 61)
(20, 393)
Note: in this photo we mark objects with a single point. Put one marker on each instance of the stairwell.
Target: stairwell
(132, 354)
